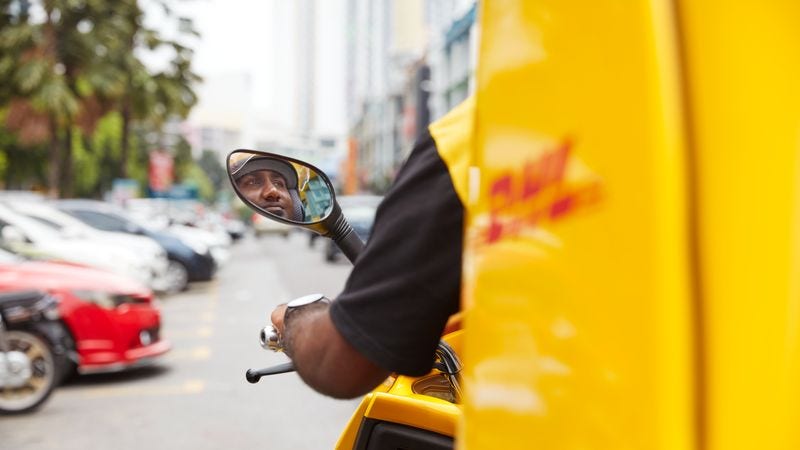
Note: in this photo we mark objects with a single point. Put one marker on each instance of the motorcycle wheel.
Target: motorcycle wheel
(34, 377)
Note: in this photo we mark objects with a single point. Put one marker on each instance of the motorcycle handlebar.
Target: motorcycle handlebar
(270, 339)
(254, 375)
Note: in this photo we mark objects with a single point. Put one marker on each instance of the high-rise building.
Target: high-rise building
(385, 40)
(452, 52)
(305, 65)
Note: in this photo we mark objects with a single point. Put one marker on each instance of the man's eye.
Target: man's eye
(251, 181)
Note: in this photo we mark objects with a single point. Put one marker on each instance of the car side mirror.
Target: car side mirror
(291, 191)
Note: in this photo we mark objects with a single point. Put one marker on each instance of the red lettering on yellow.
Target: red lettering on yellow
(535, 194)
(500, 198)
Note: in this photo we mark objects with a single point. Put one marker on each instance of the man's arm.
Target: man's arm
(322, 357)
(401, 291)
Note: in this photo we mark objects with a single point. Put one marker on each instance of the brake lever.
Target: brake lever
(254, 375)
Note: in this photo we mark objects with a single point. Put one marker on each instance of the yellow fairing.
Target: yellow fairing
(578, 272)
(396, 402)
(743, 80)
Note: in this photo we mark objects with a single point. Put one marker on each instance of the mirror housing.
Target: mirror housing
(293, 192)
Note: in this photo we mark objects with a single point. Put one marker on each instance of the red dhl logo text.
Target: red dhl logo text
(538, 193)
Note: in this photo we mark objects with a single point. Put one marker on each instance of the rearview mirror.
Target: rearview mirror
(291, 191)
(282, 189)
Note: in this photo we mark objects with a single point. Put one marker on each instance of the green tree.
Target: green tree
(53, 77)
(210, 164)
(151, 99)
(59, 76)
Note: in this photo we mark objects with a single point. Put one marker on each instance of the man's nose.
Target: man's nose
(269, 190)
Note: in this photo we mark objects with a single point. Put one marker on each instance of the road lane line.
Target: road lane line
(197, 333)
(200, 353)
(189, 387)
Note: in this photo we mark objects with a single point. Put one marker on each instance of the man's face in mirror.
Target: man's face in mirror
(268, 190)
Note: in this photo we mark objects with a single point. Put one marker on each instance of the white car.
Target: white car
(160, 215)
(265, 227)
(29, 237)
(154, 256)
(218, 243)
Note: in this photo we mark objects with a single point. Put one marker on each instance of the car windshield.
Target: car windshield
(32, 229)
(45, 222)
(106, 221)
(49, 215)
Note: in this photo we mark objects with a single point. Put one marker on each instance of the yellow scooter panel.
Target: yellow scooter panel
(397, 401)
(577, 278)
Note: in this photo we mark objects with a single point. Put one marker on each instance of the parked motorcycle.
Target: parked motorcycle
(404, 412)
(36, 350)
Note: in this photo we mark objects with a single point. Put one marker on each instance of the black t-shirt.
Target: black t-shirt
(406, 282)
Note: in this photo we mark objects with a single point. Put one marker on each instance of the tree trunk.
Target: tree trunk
(67, 183)
(54, 174)
(125, 139)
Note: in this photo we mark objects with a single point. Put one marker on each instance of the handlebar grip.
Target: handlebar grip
(253, 375)
(270, 339)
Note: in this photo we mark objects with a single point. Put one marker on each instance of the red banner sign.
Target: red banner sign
(161, 171)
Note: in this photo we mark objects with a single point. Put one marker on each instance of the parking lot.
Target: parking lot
(196, 395)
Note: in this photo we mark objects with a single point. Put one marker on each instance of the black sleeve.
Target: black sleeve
(406, 282)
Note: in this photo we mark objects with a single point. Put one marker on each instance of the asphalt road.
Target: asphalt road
(196, 396)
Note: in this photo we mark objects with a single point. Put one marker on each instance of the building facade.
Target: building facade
(408, 62)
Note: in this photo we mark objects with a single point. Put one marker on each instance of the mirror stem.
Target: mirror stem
(349, 242)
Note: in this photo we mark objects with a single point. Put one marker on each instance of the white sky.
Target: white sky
(244, 37)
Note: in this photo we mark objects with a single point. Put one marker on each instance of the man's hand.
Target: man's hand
(321, 355)
(277, 317)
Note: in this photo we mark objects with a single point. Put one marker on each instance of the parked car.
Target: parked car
(154, 255)
(266, 227)
(112, 319)
(186, 219)
(235, 227)
(360, 213)
(188, 261)
(30, 237)
(217, 243)
(35, 350)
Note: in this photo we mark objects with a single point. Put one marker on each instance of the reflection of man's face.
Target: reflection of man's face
(267, 190)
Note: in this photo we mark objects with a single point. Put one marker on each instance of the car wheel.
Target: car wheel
(34, 376)
(177, 277)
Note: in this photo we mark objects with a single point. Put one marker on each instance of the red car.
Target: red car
(113, 320)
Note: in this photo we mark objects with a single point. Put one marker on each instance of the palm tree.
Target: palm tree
(61, 75)
(53, 80)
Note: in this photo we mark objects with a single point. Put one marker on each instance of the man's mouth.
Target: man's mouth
(277, 210)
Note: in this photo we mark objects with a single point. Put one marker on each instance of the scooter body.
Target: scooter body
(631, 275)
(407, 412)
